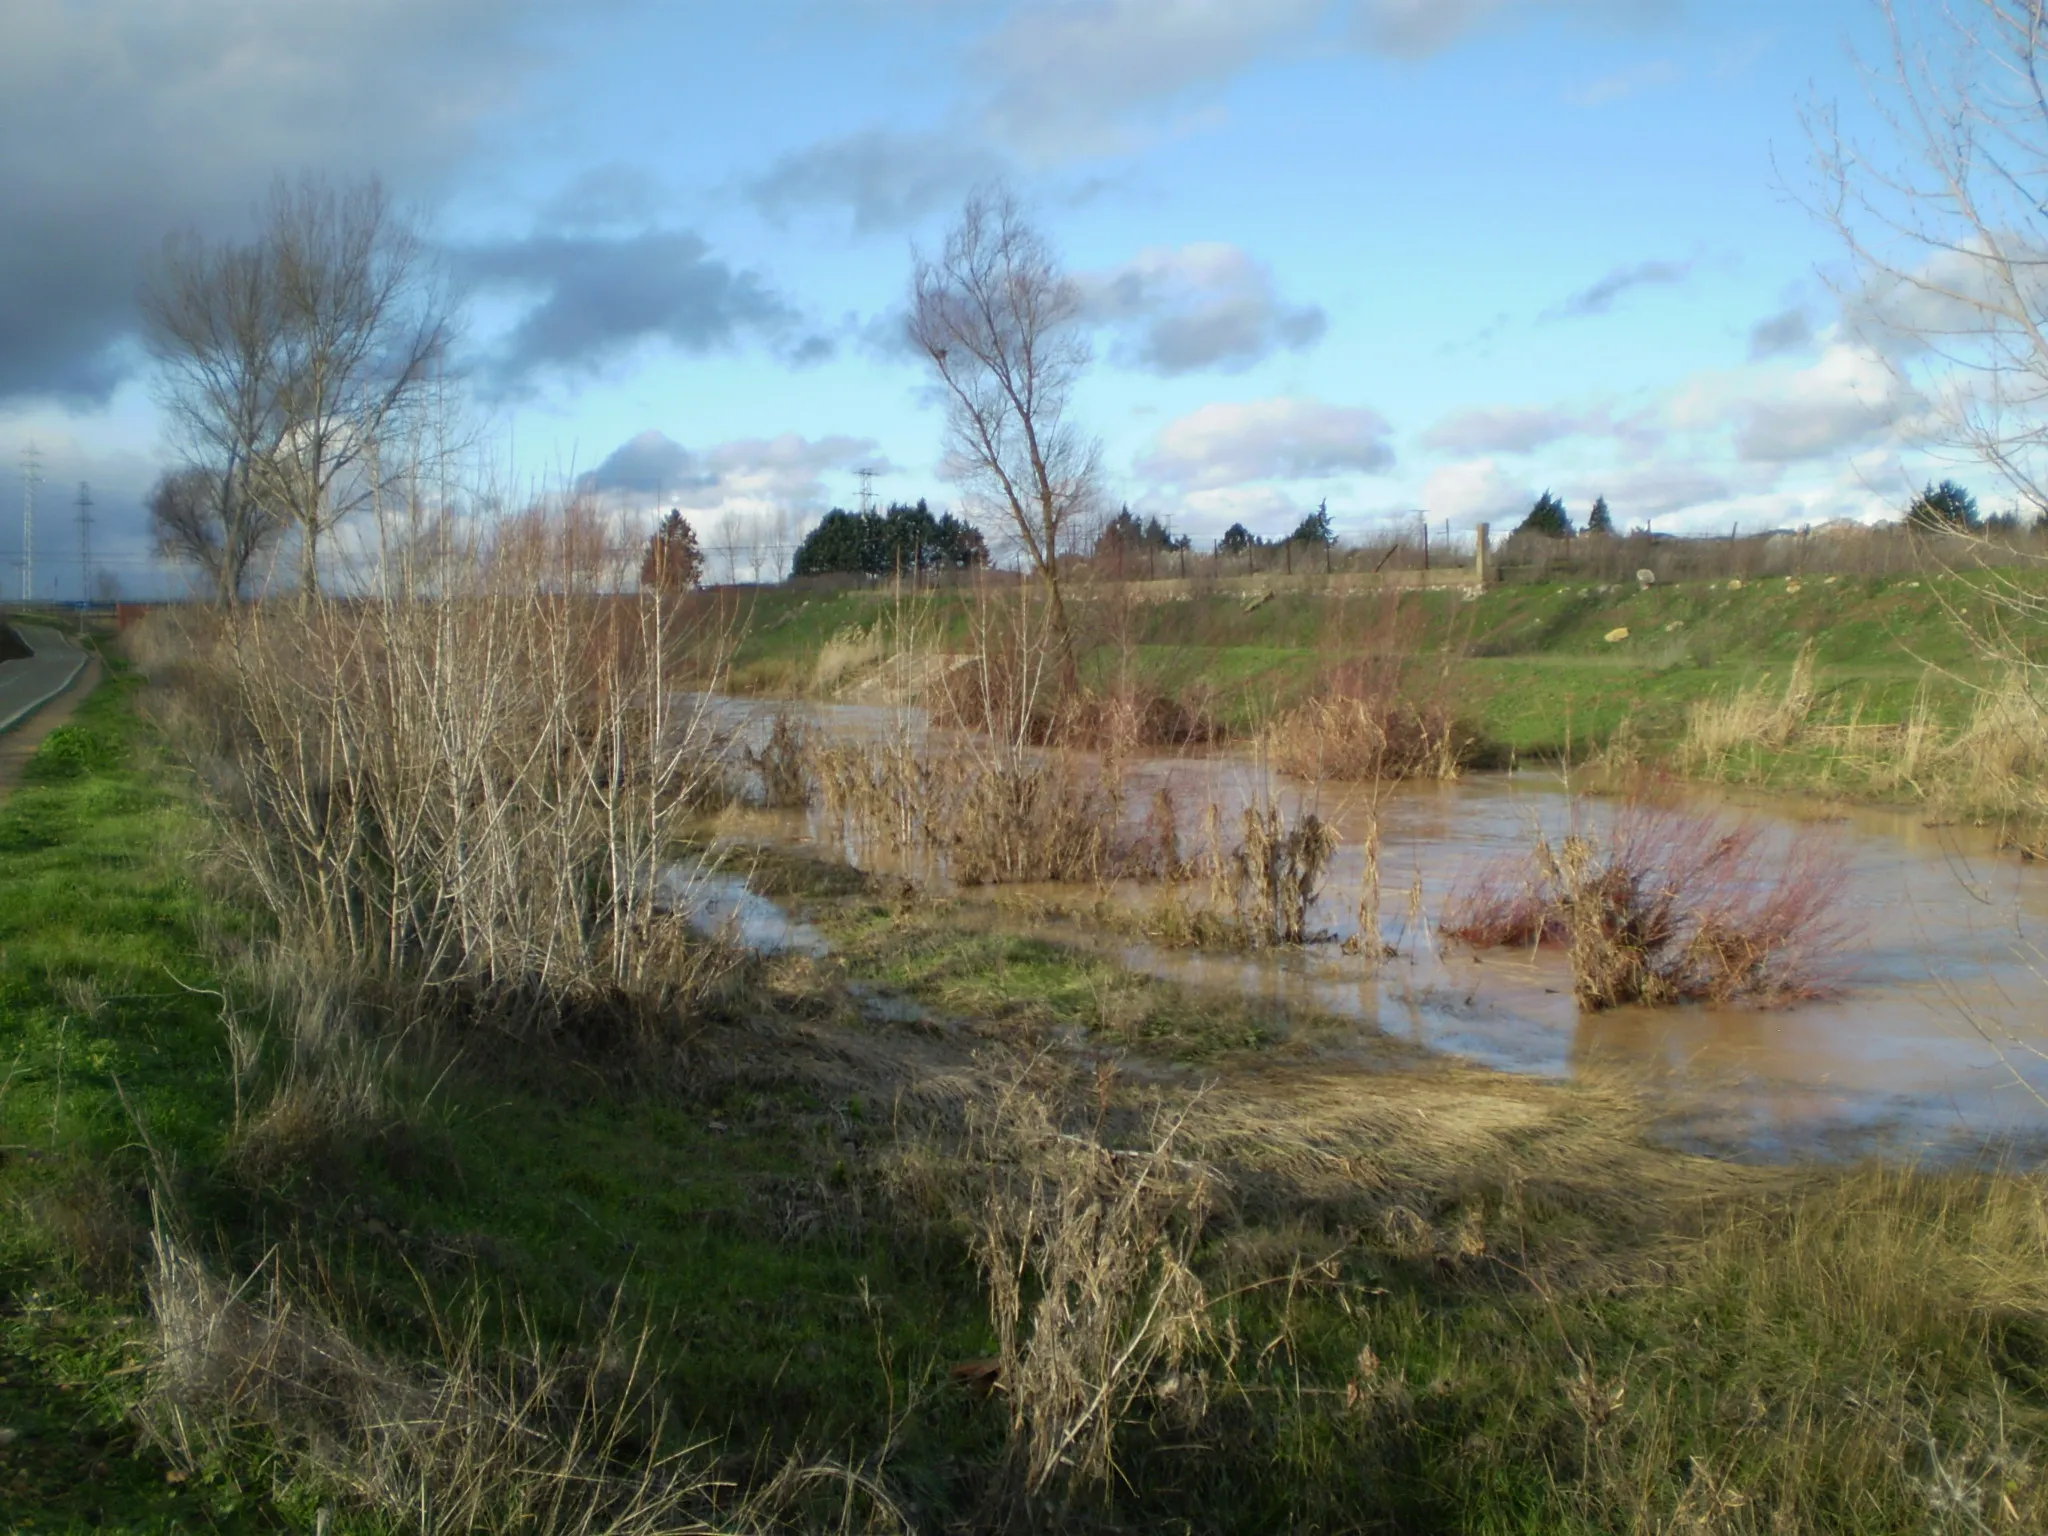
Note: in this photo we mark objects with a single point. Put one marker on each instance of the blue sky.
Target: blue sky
(1402, 255)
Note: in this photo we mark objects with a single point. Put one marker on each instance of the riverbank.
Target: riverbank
(1433, 1296)
(1889, 672)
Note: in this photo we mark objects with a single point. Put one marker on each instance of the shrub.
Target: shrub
(1669, 906)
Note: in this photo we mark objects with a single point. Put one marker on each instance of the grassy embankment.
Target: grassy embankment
(1528, 668)
(1440, 1299)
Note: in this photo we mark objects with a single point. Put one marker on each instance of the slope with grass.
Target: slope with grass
(1436, 1298)
(1531, 668)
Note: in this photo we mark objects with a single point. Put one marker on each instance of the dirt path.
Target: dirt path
(19, 744)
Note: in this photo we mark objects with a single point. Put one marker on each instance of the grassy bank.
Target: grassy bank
(1530, 668)
(1435, 1298)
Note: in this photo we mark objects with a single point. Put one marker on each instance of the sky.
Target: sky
(1407, 257)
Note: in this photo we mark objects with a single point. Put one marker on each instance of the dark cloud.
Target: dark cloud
(1790, 332)
(607, 197)
(1599, 298)
(1201, 306)
(885, 178)
(652, 463)
(598, 296)
(120, 123)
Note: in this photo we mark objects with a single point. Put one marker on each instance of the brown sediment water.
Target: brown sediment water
(1933, 1043)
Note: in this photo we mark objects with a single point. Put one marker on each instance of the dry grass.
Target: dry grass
(1270, 881)
(478, 1438)
(1365, 735)
(1668, 906)
(852, 650)
(977, 817)
(1721, 728)
(1087, 1249)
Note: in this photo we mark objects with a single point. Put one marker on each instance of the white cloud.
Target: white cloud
(748, 476)
(1477, 491)
(1233, 443)
(1846, 399)
(1206, 305)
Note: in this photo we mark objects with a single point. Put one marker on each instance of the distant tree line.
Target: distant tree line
(1125, 534)
(904, 538)
(1315, 531)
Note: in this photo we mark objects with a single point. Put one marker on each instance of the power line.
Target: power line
(31, 476)
(84, 541)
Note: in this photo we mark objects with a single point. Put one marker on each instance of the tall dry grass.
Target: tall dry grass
(1720, 728)
(481, 1435)
(1363, 727)
(465, 777)
(1088, 1249)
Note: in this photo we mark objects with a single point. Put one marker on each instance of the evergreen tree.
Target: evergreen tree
(673, 562)
(1946, 507)
(1236, 540)
(1548, 517)
(1315, 529)
(1600, 520)
(903, 539)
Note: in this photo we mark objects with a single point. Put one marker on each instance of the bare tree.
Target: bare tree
(365, 327)
(1942, 215)
(292, 363)
(203, 517)
(212, 321)
(1000, 322)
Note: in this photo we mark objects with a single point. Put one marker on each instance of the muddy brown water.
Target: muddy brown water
(1933, 1045)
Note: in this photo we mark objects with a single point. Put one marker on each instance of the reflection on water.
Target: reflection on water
(1937, 1042)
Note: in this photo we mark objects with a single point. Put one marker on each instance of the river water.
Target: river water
(1933, 1044)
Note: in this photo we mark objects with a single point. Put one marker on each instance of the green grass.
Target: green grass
(1788, 1346)
(1685, 640)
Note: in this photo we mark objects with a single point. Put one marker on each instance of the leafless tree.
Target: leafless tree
(365, 327)
(1941, 212)
(203, 517)
(1000, 322)
(295, 364)
(213, 322)
(729, 540)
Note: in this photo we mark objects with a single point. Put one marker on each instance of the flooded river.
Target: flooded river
(1934, 1045)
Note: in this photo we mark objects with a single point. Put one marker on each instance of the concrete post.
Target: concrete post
(1480, 572)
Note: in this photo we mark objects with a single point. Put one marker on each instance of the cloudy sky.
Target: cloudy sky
(1396, 254)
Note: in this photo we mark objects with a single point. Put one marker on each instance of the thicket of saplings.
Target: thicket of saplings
(452, 798)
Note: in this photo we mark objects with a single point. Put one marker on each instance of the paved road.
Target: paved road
(27, 683)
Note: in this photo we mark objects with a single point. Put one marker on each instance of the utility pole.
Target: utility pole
(84, 544)
(31, 477)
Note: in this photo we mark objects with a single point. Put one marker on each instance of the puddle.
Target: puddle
(718, 903)
(1935, 1046)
